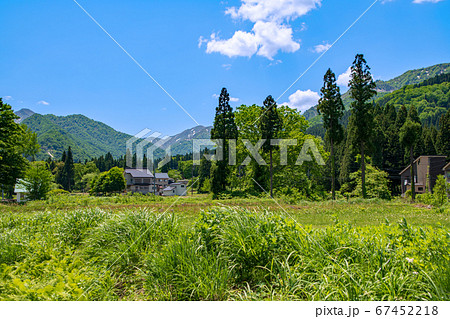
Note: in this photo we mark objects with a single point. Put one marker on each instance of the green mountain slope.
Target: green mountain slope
(88, 138)
(431, 101)
(385, 87)
(431, 98)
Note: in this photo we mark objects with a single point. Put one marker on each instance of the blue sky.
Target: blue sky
(55, 59)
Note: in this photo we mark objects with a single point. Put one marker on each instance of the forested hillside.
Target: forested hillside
(385, 87)
(431, 101)
(87, 137)
(431, 97)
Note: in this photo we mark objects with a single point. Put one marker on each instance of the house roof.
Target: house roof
(168, 188)
(20, 187)
(434, 156)
(161, 175)
(139, 173)
(446, 167)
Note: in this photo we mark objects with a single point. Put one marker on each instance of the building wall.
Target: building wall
(427, 169)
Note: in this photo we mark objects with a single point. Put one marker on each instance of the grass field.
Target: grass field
(192, 248)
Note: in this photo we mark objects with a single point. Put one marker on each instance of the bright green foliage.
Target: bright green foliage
(84, 173)
(362, 89)
(12, 163)
(224, 129)
(303, 177)
(377, 183)
(440, 191)
(109, 182)
(431, 101)
(38, 181)
(332, 109)
(31, 146)
(175, 174)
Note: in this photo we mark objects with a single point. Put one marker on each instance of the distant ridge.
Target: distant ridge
(89, 138)
(23, 114)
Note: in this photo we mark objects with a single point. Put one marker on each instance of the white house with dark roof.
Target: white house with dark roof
(175, 189)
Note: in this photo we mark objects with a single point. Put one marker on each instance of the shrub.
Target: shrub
(38, 181)
(57, 191)
(440, 191)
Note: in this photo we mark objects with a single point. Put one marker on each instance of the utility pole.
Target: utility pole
(154, 178)
(192, 183)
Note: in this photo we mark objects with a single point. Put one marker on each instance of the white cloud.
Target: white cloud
(269, 10)
(7, 98)
(271, 31)
(322, 47)
(226, 66)
(344, 78)
(265, 39)
(43, 103)
(424, 1)
(303, 100)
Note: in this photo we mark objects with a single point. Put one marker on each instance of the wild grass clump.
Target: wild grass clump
(227, 254)
(123, 240)
(262, 255)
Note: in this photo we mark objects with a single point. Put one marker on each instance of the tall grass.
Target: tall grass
(227, 254)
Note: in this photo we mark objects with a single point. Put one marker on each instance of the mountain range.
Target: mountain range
(89, 138)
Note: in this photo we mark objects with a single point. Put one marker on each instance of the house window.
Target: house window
(420, 189)
(182, 185)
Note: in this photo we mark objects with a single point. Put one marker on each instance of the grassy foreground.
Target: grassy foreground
(343, 251)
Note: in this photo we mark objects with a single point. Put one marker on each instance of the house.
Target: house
(175, 189)
(140, 181)
(21, 191)
(183, 181)
(162, 180)
(426, 170)
(446, 170)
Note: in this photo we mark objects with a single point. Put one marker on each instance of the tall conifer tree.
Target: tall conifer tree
(331, 108)
(270, 125)
(362, 90)
(224, 130)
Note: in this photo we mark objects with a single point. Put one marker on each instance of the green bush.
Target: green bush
(57, 191)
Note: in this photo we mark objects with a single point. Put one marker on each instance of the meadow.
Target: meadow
(76, 247)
